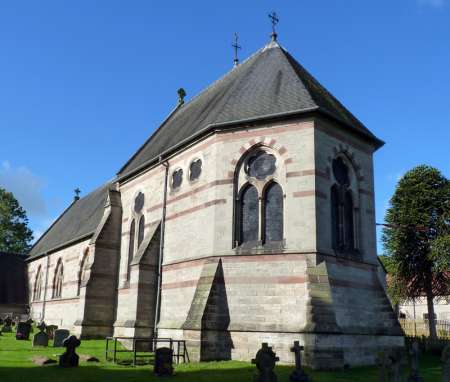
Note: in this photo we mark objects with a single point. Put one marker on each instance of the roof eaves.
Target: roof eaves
(51, 226)
(174, 110)
(61, 246)
(209, 128)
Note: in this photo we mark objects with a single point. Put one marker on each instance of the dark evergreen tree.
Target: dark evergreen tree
(417, 237)
(15, 236)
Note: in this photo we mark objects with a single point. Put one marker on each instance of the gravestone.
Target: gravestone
(298, 375)
(70, 358)
(59, 337)
(265, 361)
(7, 325)
(41, 338)
(23, 330)
(51, 331)
(415, 352)
(446, 366)
(163, 362)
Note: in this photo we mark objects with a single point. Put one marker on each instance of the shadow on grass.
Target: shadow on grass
(204, 372)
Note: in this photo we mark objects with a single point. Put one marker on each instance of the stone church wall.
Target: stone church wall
(58, 311)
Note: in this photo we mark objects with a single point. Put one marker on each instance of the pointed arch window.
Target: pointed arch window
(273, 213)
(131, 247)
(83, 269)
(249, 215)
(38, 285)
(58, 280)
(141, 230)
(342, 208)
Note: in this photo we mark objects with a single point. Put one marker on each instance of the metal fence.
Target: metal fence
(420, 328)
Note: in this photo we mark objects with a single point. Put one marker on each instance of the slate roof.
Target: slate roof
(79, 220)
(269, 83)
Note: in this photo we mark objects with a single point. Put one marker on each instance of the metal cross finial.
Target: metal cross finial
(236, 46)
(274, 18)
(77, 193)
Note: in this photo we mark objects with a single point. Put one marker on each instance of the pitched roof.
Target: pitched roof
(269, 83)
(79, 220)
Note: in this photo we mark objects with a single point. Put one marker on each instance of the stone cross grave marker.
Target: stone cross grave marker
(446, 366)
(59, 337)
(298, 375)
(70, 358)
(265, 361)
(415, 352)
(163, 362)
(23, 330)
(41, 338)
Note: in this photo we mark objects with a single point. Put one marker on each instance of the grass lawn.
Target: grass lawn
(16, 366)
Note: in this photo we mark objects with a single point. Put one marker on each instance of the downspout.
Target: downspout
(161, 250)
(45, 289)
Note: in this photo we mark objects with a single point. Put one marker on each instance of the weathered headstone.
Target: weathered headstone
(23, 330)
(41, 338)
(446, 366)
(163, 362)
(70, 358)
(7, 325)
(51, 331)
(265, 361)
(59, 337)
(298, 375)
(415, 352)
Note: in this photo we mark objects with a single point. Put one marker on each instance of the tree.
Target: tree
(417, 237)
(15, 236)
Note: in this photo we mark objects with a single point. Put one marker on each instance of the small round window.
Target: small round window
(340, 172)
(177, 178)
(195, 169)
(260, 165)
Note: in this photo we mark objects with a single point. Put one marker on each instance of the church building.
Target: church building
(248, 216)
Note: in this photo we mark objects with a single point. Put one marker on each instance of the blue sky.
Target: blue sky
(84, 83)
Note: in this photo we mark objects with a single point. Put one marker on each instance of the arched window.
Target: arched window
(58, 280)
(38, 285)
(249, 215)
(83, 269)
(273, 213)
(141, 230)
(335, 218)
(348, 221)
(342, 208)
(131, 247)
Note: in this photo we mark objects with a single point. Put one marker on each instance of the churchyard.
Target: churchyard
(19, 361)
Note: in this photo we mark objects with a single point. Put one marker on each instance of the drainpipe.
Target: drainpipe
(161, 250)
(45, 289)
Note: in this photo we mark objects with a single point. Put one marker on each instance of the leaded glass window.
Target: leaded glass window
(342, 208)
(177, 178)
(273, 213)
(260, 165)
(58, 280)
(139, 202)
(348, 221)
(38, 285)
(195, 169)
(141, 230)
(83, 269)
(249, 215)
(131, 246)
